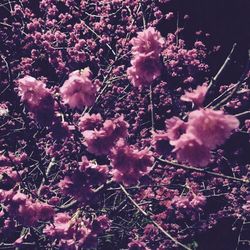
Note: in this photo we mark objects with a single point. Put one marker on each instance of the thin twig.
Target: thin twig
(242, 114)
(152, 108)
(200, 170)
(228, 59)
(51, 164)
(244, 77)
(100, 38)
(152, 221)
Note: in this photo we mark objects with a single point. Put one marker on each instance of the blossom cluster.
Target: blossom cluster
(78, 91)
(128, 163)
(72, 232)
(146, 51)
(100, 142)
(38, 99)
(205, 130)
(114, 134)
(24, 209)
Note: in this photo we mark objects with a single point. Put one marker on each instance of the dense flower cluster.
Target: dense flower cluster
(81, 183)
(99, 142)
(182, 62)
(78, 91)
(206, 129)
(129, 163)
(197, 96)
(90, 122)
(24, 209)
(73, 232)
(38, 98)
(146, 50)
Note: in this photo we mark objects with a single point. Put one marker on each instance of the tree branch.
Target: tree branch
(152, 221)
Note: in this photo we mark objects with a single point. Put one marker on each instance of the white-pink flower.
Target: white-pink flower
(79, 91)
(191, 149)
(148, 41)
(197, 96)
(144, 70)
(31, 90)
(211, 127)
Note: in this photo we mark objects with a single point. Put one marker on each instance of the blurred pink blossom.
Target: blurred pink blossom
(191, 149)
(211, 127)
(99, 142)
(197, 96)
(145, 69)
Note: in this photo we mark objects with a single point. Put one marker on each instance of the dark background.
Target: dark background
(227, 22)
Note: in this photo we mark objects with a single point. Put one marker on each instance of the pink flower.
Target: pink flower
(147, 41)
(99, 142)
(160, 142)
(72, 232)
(31, 90)
(61, 225)
(79, 91)
(198, 201)
(38, 99)
(146, 51)
(211, 127)
(128, 163)
(145, 69)
(191, 201)
(137, 245)
(89, 122)
(44, 211)
(3, 109)
(189, 148)
(24, 209)
(175, 128)
(197, 96)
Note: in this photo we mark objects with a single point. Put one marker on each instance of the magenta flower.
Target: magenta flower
(146, 51)
(211, 127)
(61, 225)
(99, 142)
(129, 164)
(160, 142)
(75, 232)
(191, 149)
(197, 96)
(24, 209)
(145, 69)
(175, 128)
(38, 99)
(79, 91)
(89, 122)
(31, 90)
(147, 41)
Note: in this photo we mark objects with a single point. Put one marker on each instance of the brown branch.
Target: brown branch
(200, 170)
(152, 221)
(152, 108)
(228, 59)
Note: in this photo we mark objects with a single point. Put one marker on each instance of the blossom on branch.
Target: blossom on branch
(129, 164)
(146, 50)
(38, 99)
(197, 96)
(99, 142)
(79, 91)
(211, 127)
